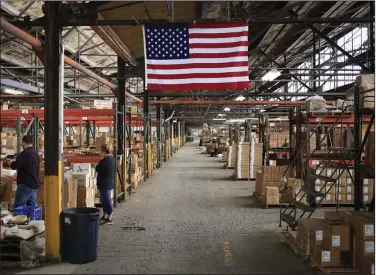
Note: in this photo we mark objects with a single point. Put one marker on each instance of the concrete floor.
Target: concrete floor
(196, 220)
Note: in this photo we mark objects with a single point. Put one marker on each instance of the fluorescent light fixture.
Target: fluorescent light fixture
(262, 110)
(223, 119)
(221, 115)
(227, 109)
(12, 91)
(271, 75)
(240, 98)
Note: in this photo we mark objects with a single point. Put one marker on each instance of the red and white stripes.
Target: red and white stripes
(218, 59)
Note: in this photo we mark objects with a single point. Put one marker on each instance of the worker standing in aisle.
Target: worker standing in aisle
(106, 182)
(27, 165)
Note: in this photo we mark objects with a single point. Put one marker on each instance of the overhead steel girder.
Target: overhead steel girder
(296, 78)
(335, 45)
(21, 86)
(331, 42)
(132, 22)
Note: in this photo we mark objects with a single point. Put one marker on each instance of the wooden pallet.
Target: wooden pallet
(263, 203)
(333, 270)
(242, 179)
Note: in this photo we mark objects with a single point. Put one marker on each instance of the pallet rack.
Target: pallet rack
(339, 158)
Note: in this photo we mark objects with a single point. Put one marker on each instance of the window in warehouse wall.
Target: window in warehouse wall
(354, 42)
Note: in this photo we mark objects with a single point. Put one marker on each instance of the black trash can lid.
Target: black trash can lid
(82, 211)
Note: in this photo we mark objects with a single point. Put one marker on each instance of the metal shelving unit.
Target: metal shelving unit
(340, 159)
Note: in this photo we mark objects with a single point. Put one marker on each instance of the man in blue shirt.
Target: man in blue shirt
(27, 166)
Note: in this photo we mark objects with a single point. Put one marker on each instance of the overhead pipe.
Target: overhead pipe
(214, 102)
(37, 44)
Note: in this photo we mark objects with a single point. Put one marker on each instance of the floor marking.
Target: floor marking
(228, 257)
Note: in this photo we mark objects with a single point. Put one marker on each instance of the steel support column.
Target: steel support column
(166, 135)
(121, 149)
(52, 113)
(94, 132)
(159, 136)
(358, 183)
(87, 133)
(146, 133)
(371, 34)
(19, 134)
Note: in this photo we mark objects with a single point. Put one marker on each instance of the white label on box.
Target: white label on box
(329, 172)
(365, 181)
(369, 247)
(339, 197)
(317, 188)
(349, 189)
(365, 189)
(14, 187)
(318, 171)
(319, 235)
(325, 256)
(317, 181)
(340, 189)
(328, 197)
(349, 181)
(365, 198)
(349, 197)
(336, 241)
(369, 230)
(4, 142)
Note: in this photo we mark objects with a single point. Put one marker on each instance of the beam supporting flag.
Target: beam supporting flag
(196, 56)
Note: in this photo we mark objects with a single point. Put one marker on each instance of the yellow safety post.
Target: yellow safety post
(53, 202)
(150, 163)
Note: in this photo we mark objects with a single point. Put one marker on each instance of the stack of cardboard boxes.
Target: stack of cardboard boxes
(225, 155)
(291, 189)
(104, 138)
(137, 165)
(341, 239)
(8, 187)
(343, 188)
(337, 137)
(279, 139)
(269, 183)
(8, 144)
(242, 163)
(231, 156)
(255, 158)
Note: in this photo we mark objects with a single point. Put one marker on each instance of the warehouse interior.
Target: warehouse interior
(277, 178)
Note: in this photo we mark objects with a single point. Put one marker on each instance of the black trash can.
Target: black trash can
(79, 236)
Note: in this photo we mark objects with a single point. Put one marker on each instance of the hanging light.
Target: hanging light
(227, 109)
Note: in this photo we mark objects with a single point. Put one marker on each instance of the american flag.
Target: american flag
(201, 55)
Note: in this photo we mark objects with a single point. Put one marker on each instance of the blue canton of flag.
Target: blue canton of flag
(166, 42)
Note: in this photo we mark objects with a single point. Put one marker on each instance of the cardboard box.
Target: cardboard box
(83, 167)
(328, 258)
(366, 266)
(70, 191)
(85, 196)
(364, 248)
(361, 224)
(336, 237)
(83, 179)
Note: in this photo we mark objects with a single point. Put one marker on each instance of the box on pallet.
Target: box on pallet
(341, 239)
(271, 195)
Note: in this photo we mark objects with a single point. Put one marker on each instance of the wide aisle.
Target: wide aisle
(196, 220)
